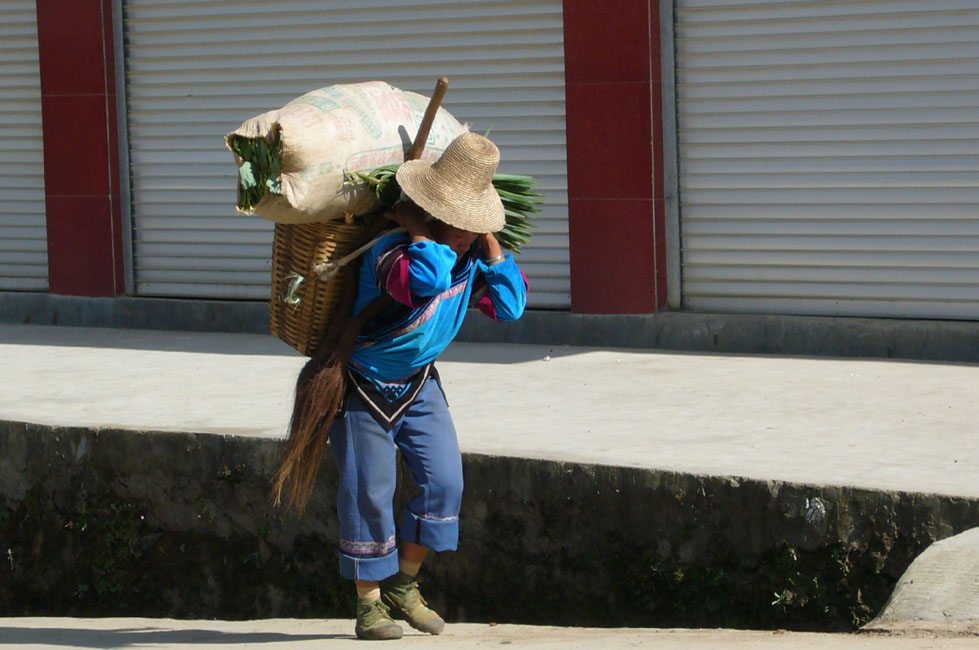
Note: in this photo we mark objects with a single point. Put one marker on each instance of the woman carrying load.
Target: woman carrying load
(394, 399)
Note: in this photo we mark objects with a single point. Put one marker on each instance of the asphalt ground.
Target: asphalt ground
(279, 634)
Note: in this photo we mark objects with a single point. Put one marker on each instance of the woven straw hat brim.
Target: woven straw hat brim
(479, 211)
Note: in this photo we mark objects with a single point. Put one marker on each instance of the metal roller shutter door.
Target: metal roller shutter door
(196, 70)
(23, 231)
(829, 156)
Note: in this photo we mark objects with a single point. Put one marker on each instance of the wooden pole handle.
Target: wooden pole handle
(418, 146)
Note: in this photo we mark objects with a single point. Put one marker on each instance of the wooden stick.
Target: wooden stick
(418, 146)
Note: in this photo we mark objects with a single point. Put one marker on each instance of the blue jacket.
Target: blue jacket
(432, 290)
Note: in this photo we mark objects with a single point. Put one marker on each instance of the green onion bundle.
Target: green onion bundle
(260, 173)
(520, 201)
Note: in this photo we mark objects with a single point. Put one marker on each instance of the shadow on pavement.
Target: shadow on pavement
(135, 339)
(143, 637)
(268, 345)
(243, 344)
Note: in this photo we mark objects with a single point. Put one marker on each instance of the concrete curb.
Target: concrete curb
(741, 333)
(96, 522)
(956, 341)
(239, 316)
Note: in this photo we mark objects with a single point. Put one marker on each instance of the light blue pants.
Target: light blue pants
(366, 455)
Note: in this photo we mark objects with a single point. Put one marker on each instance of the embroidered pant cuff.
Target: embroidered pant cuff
(438, 534)
(372, 569)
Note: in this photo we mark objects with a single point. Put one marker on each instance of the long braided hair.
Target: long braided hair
(320, 388)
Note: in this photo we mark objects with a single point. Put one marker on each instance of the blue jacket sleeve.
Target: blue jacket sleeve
(507, 290)
(431, 268)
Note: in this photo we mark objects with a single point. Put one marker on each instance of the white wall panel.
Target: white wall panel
(829, 156)
(196, 70)
(23, 231)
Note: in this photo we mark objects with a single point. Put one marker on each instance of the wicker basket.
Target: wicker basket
(301, 306)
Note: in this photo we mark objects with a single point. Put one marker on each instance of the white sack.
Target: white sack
(343, 128)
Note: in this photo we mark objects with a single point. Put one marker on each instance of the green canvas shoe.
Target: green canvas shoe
(374, 623)
(401, 594)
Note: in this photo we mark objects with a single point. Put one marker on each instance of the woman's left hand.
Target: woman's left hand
(491, 247)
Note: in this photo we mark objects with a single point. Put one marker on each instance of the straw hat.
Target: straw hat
(458, 187)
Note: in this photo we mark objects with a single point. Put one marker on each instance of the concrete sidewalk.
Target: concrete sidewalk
(883, 425)
(275, 634)
(891, 425)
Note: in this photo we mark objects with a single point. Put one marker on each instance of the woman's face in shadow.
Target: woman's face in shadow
(457, 239)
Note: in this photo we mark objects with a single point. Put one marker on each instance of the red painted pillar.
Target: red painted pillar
(614, 126)
(81, 162)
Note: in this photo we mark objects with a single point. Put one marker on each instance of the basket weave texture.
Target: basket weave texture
(300, 316)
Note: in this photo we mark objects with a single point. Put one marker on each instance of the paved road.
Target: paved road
(133, 634)
(895, 425)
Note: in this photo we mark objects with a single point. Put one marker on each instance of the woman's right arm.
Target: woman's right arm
(412, 273)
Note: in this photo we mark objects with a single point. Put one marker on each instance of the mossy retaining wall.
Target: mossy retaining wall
(123, 523)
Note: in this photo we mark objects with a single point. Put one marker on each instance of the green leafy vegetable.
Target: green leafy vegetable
(520, 200)
(261, 172)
